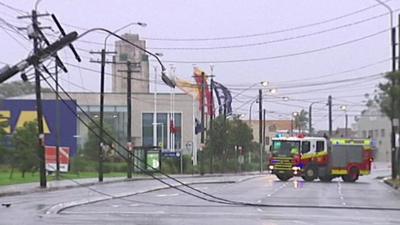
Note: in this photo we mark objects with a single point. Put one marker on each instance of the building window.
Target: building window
(382, 132)
(364, 134)
(163, 127)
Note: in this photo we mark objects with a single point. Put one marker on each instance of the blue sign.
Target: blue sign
(16, 112)
(171, 154)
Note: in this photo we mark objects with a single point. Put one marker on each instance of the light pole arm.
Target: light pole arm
(389, 9)
(121, 28)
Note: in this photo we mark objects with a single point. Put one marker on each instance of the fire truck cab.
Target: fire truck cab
(318, 157)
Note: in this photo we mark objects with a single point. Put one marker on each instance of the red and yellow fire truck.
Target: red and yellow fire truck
(318, 157)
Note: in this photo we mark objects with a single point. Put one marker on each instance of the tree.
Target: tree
(26, 145)
(91, 146)
(301, 120)
(2, 140)
(224, 136)
(18, 88)
(239, 134)
(217, 137)
(389, 98)
(389, 102)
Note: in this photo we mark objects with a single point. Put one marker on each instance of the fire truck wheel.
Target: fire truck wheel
(284, 177)
(310, 173)
(352, 176)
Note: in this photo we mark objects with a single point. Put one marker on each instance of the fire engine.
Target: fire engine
(318, 157)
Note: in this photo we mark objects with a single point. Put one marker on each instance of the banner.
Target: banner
(224, 98)
(187, 87)
(201, 79)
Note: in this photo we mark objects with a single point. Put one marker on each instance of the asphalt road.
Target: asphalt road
(369, 201)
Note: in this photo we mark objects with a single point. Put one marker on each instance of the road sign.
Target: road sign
(171, 154)
(153, 160)
(51, 162)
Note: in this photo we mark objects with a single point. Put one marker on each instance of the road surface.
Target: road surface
(369, 201)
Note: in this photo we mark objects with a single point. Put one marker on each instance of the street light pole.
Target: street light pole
(260, 126)
(344, 109)
(102, 83)
(392, 102)
(251, 106)
(310, 118)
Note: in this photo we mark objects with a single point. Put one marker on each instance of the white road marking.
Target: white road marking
(260, 210)
(277, 189)
(134, 205)
(167, 195)
(339, 189)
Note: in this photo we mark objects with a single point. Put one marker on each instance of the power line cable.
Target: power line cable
(219, 200)
(280, 56)
(270, 32)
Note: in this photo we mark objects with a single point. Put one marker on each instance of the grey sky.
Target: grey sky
(180, 19)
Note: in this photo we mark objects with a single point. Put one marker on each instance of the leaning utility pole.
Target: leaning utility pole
(260, 127)
(330, 115)
(58, 134)
(101, 123)
(39, 110)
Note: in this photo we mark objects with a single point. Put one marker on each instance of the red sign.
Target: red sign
(51, 162)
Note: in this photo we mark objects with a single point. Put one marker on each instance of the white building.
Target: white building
(372, 123)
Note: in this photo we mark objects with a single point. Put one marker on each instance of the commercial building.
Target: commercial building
(372, 123)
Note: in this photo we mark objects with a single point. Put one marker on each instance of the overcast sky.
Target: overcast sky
(301, 47)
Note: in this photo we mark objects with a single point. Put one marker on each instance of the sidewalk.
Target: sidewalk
(18, 189)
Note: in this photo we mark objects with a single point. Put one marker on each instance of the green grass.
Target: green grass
(29, 178)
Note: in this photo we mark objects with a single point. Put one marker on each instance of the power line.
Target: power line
(256, 44)
(280, 56)
(19, 11)
(270, 32)
(259, 43)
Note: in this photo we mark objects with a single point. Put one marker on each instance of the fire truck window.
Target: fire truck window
(305, 147)
(320, 146)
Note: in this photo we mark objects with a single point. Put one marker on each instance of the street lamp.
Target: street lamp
(121, 28)
(344, 109)
(102, 78)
